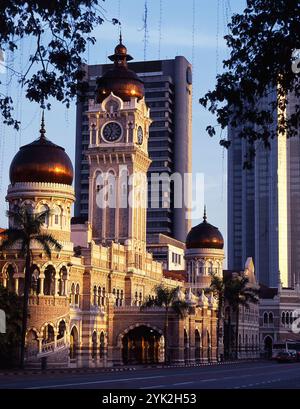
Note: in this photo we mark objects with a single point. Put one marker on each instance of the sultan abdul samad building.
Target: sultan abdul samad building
(85, 301)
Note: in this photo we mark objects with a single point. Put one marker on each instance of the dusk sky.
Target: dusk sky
(177, 36)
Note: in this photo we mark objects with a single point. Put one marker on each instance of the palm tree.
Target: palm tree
(168, 299)
(217, 286)
(239, 293)
(26, 229)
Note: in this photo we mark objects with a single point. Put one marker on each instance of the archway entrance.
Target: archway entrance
(141, 345)
(268, 346)
(73, 343)
(197, 346)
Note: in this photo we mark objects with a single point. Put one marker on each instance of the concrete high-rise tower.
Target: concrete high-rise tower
(263, 206)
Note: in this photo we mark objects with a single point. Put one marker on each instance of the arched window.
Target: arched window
(49, 280)
(291, 317)
(103, 296)
(95, 295)
(266, 320)
(99, 296)
(94, 345)
(35, 282)
(72, 298)
(45, 208)
(57, 216)
(271, 318)
(63, 278)
(118, 298)
(287, 318)
(77, 295)
(121, 298)
(102, 345)
(10, 284)
(283, 318)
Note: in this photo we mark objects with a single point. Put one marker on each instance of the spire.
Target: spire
(120, 34)
(204, 214)
(42, 129)
(120, 57)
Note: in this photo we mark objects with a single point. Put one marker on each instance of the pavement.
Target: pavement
(243, 375)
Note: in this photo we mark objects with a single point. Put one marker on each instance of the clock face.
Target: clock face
(112, 131)
(140, 135)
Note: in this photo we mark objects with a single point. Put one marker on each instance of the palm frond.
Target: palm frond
(181, 308)
(49, 239)
(11, 237)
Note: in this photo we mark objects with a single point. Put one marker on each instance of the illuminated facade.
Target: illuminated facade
(84, 307)
(263, 206)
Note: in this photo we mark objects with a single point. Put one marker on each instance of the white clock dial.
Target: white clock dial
(112, 131)
(140, 135)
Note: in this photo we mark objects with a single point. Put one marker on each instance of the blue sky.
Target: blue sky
(177, 38)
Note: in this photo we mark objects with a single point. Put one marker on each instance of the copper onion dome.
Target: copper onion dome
(120, 80)
(204, 236)
(41, 161)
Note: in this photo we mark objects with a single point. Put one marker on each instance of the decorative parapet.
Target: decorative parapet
(50, 189)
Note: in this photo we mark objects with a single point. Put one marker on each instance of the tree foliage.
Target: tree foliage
(26, 231)
(167, 298)
(11, 304)
(61, 30)
(263, 41)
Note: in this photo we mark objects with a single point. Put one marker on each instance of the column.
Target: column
(42, 279)
(56, 284)
(40, 343)
(17, 285)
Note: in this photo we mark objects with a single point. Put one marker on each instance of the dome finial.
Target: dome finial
(42, 129)
(204, 214)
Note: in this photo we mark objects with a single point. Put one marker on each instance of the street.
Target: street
(261, 375)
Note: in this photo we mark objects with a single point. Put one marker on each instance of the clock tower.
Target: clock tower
(118, 157)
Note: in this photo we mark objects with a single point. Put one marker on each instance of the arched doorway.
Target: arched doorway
(94, 345)
(208, 347)
(197, 346)
(48, 334)
(141, 345)
(74, 343)
(32, 345)
(268, 346)
(61, 329)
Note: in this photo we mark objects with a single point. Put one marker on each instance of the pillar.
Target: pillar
(42, 279)
(17, 285)
(56, 284)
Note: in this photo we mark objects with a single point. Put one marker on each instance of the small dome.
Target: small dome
(120, 80)
(204, 236)
(120, 49)
(41, 161)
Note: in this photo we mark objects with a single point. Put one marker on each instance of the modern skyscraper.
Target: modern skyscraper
(263, 206)
(168, 93)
